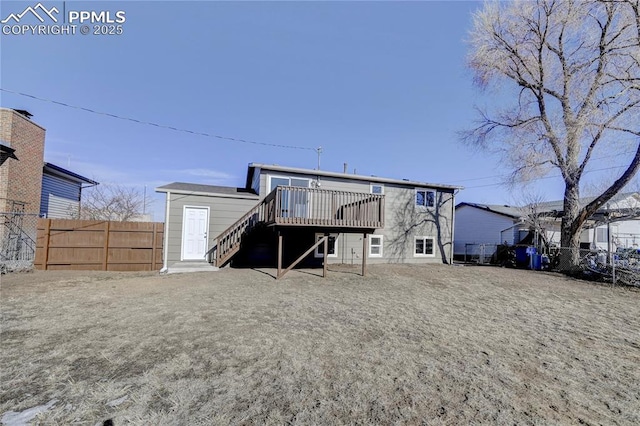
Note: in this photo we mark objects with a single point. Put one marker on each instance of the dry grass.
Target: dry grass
(407, 344)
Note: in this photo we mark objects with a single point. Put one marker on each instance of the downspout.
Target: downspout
(165, 245)
(80, 200)
(453, 223)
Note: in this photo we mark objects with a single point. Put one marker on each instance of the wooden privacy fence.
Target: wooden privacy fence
(99, 245)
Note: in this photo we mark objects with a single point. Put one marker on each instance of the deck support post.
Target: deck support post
(364, 255)
(279, 254)
(326, 253)
(302, 256)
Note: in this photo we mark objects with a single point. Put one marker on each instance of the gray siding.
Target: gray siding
(59, 197)
(222, 213)
(404, 221)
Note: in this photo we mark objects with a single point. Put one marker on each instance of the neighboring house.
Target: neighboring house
(389, 220)
(480, 228)
(622, 213)
(20, 185)
(29, 187)
(62, 192)
(483, 226)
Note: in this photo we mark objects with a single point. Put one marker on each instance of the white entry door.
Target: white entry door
(195, 224)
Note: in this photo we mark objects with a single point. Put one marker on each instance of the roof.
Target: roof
(7, 152)
(256, 166)
(558, 205)
(24, 112)
(199, 189)
(52, 169)
(504, 210)
(555, 207)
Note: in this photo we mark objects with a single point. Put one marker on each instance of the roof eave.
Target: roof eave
(349, 176)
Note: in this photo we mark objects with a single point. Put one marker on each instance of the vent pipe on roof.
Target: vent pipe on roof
(345, 168)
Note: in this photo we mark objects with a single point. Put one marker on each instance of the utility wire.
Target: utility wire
(162, 126)
(210, 135)
(506, 175)
(544, 177)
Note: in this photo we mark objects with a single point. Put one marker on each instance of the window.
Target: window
(425, 198)
(332, 248)
(292, 203)
(424, 247)
(601, 235)
(287, 181)
(375, 246)
(377, 188)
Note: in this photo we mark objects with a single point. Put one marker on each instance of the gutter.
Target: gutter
(165, 245)
(453, 224)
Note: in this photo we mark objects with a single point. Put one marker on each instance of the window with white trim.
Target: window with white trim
(425, 198)
(375, 246)
(377, 188)
(424, 247)
(332, 248)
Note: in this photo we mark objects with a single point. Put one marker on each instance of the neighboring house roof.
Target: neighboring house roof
(558, 205)
(52, 169)
(199, 189)
(551, 208)
(6, 152)
(504, 210)
(257, 166)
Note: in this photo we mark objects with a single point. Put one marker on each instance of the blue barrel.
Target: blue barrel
(536, 262)
(521, 256)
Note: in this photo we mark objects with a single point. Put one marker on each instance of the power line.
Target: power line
(544, 177)
(506, 175)
(162, 126)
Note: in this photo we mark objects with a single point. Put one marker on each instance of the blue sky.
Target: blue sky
(381, 86)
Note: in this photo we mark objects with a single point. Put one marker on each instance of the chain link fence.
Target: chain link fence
(620, 267)
(17, 240)
(482, 254)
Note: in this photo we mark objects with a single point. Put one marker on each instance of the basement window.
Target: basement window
(375, 246)
(332, 249)
(424, 247)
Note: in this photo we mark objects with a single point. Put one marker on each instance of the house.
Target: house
(480, 228)
(62, 192)
(621, 216)
(283, 212)
(20, 186)
(29, 187)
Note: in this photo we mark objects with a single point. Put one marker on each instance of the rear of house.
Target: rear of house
(384, 220)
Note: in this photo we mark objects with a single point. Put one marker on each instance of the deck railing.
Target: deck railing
(287, 205)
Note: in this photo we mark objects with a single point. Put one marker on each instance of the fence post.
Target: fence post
(105, 259)
(153, 250)
(47, 234)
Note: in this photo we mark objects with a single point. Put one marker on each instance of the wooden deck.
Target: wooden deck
(305, 207)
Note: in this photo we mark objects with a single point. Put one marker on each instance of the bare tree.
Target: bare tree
(574, 68)
(536, 217)
(112, 202)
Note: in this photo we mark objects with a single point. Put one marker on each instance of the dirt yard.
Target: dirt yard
(405, 345)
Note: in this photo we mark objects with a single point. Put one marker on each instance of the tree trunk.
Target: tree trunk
(570, 228)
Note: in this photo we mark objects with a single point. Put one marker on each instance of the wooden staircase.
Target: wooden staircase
(228, 242)
(294, 206)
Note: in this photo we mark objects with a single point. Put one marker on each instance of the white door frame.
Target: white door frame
(184, 228)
